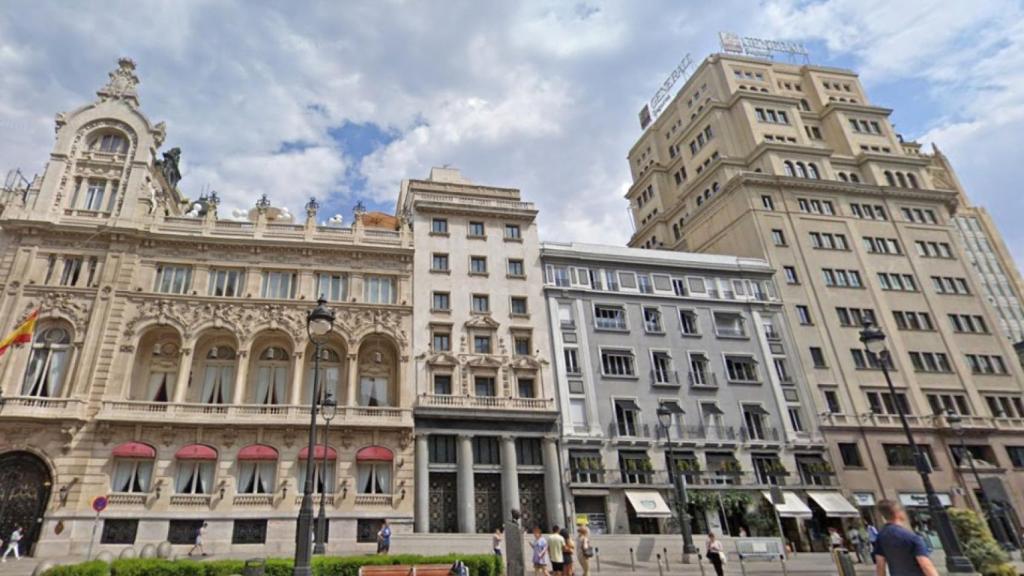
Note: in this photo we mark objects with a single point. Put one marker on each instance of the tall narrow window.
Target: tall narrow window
(379, 289)
(272, 376)
(44, 375)
(218, 376)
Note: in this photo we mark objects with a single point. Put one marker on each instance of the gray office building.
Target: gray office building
(676, 376)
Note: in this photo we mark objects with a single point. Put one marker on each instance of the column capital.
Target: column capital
(464, 436)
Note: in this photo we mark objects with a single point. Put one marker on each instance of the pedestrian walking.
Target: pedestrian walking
(716, 554)
(200, 537)
(556, 551)
(586, 550)
(496, 540)
(540, 553)
(898, 548)
(13, 543)
(568, 552)
(384, 539)
(835, 539)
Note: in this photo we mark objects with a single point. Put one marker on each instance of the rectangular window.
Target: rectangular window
(482, 344)
(441, 449)
(832, 402)
(850, 455)
(902, 455)
(741, 368)
(481, 303)
(968, 323)
(729, 324)
(897, 282)
(652, 320)
(513, 232)
(442, 341)
(688, 323)
(609, 317)
(379, 289)
(518, 304)
(864, 360)
(885, 403)
(441, 302)
(476, 230)
(486, 450)
(227, 283)
(986, 364)
(525, 387)
(521, 345)
(572, 361)
(661, 368)
(803, 314)
(950, 285)
(778, 238)
(332, 286)
(516, 269)
(909, 320)
(790, 273)
(617, 363)
(439, 226)
(818, 357)
(1016, 454)
(930, 362)
(439, 263)
(767, 202)
(478, 265)
(484, 386)
(172, 278)
(855, 317)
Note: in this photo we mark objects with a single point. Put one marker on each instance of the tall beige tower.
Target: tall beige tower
(795, 164)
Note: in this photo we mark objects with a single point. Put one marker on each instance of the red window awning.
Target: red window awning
(375, 454)
(318, 453)
(196, 452)
(260, 452)
(134, 450)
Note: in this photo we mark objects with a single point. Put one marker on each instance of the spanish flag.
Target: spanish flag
(22, 334)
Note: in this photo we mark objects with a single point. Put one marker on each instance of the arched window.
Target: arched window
(197, 464)
(257, 468)
(675, 230)
(110, 143)
(51, 353)
(854, 177)
(373, 470)
(163, 372)
(842, 177)
(272, 376)
(788, 167)
(330, 374)
(323, 476)
(218, 375)
(913, 180)
(801, 170)
(889, 179)
(813, 171)
(133, 468)
(902, 180)
(804, 105)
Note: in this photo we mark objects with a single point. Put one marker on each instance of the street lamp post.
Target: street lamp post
(665, 420)
(319, 323)
(330, 410)
(985, 507)
(874, 341)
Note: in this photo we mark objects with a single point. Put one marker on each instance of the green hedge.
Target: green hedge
(479, 565)
(978, 544)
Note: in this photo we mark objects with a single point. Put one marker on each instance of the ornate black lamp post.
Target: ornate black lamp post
(319, 323)
(874, 341)
(665, 420)
(330, 410)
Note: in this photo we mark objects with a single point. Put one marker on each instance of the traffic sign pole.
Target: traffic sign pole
(99, 504)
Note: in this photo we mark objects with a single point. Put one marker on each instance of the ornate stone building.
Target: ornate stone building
(171, 369)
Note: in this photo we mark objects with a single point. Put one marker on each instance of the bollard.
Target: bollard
(700, 563)
(632, 561)
(597, 556)
(665, 550)
(743, 566)
(782, 558)
(660, 571)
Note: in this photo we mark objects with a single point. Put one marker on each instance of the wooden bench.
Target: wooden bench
(399, 570)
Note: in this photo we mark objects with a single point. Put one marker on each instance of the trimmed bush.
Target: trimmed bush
(979, 546)
(479, 565)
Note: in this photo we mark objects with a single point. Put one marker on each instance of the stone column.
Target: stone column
(298, 375)
(552, 482)
(509, 477)
(184, 370)
(422, 507)
(466, 490)
(353, 379)
(241, 377)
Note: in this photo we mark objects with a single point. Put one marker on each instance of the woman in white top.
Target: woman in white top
(584, 548)
(199, 541)
(716, 554)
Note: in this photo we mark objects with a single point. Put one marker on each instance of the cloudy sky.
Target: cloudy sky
(343, 100)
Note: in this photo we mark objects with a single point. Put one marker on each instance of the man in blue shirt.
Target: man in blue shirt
(898, 548)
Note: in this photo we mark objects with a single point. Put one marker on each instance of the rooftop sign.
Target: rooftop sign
(759, 47)
(651, 110)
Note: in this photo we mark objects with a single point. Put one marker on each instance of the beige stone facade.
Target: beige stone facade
(171, 369)
(794, 164)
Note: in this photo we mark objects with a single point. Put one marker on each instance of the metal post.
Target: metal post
(665, 551)
(632, 561)
(597, 556)
(321, 522)
(700, 563)
(92, 537)
(986, 506)
(305, 524)
(661, 572)
(956, 562)
(683, 516)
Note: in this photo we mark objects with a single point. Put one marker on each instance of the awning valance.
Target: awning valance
(793, 507)
(648, 504)
(259, 452)
(134, 450)
(834, 504)
(374, 454)
(196, 452)
(318, 453)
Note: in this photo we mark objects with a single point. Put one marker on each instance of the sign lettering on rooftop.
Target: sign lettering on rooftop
(759, 47)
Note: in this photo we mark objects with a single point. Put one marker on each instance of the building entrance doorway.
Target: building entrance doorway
(25, 485)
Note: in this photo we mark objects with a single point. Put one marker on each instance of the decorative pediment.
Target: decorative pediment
(525, 363)
(484, 361)
(441, 359)
(55, 304)
(482, 322)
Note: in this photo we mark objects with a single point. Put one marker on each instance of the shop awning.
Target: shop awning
(648, 504)
(375, 454)
(134, 450)
(318, 453)
(260, 452)
(834, 504)
(196, 452)
(793, 507)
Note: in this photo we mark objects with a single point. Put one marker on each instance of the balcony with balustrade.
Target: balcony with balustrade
(42, 408)
(247, 414)
(487, 407)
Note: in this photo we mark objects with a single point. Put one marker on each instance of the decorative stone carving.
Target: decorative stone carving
(122, 84)
(56, 304)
